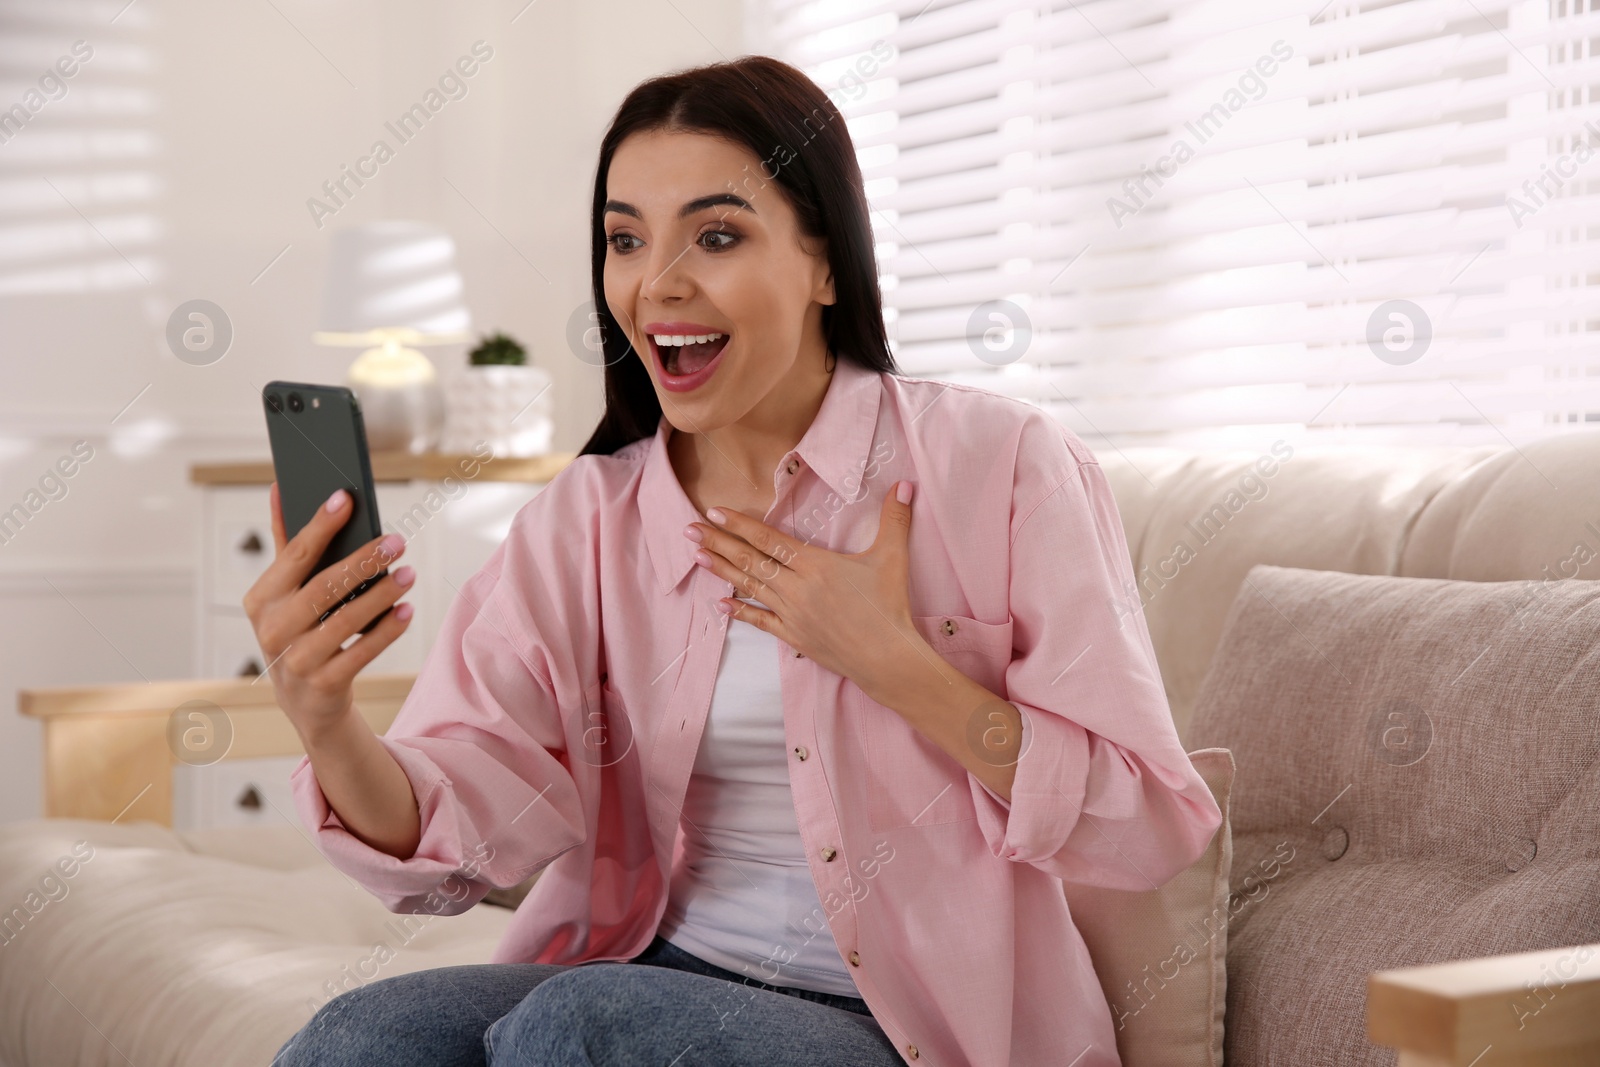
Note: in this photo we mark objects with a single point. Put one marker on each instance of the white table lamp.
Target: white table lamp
(391, 285)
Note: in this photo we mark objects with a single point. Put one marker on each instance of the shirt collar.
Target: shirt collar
(835, 446)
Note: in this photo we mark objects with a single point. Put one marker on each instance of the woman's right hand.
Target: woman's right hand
(312, 674)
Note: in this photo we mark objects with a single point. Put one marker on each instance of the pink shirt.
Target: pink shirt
(555, 722)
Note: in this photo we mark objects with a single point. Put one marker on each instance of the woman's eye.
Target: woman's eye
(622, 242)
(717, 240)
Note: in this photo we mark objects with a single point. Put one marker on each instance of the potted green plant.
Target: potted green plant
(498, 348)
(500, 399)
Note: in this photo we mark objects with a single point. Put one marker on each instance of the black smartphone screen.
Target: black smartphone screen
(319, 445)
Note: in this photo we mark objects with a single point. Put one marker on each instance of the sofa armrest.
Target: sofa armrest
(1538, 1009)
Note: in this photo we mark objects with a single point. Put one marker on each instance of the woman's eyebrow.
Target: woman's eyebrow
(715, 200)
(697, 204)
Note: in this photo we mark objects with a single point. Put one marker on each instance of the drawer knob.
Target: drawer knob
(252, 544)
(250, 799)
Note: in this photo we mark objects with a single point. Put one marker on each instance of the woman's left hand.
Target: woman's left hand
(850, 613)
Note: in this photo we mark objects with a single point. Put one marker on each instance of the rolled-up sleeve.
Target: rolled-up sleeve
(1104, 793)
(480, 740)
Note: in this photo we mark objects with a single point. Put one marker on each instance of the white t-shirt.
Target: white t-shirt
(741, 895)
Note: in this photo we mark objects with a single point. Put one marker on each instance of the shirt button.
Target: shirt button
(793, 466)
(911, 1050)
(800, 752)
(828, 852)
(949, 627)
(855, 958)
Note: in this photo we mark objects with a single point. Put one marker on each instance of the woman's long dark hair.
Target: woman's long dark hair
(789, 123)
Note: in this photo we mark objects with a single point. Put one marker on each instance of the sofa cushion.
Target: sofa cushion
(1160, 955)
(1418, 771)
(159, 953)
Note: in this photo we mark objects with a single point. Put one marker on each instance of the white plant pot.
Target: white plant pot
(505, 406)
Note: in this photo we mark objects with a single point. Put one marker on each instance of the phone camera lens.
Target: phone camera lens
(295, 403)
(275, 403)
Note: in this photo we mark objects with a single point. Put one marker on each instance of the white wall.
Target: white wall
(190, 142)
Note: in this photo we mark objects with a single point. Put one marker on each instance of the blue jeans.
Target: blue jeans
(663, 1007)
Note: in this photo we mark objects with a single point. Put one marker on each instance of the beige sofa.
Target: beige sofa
(1417, 762)
(211, 949)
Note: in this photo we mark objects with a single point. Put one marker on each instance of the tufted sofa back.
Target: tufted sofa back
(1197, 521)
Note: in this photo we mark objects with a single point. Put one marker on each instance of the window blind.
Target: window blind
(79, 150)
(1205, 223)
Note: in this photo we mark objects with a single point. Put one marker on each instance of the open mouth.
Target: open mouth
(687, 359)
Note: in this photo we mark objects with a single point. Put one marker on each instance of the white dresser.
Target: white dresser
(453, 510)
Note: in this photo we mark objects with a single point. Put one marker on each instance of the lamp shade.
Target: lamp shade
(389, 276)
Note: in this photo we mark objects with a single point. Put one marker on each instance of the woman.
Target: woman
(803, 757)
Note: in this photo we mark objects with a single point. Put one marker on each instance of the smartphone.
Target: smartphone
(319, 445)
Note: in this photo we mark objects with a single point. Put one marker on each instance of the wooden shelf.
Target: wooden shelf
(136, 698)
(403, 467)
(109, 748)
